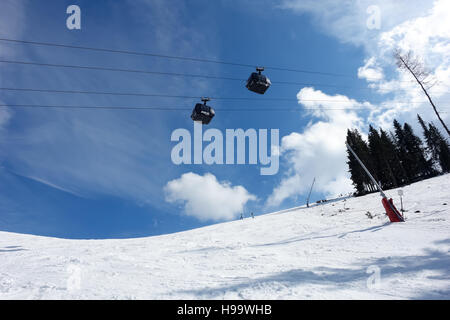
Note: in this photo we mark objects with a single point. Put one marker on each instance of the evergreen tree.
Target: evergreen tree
(426, 132)
(398, 158)
(360, 180)
(401, 150)
(441, 149)
(444, 156)
(437, 145)
(387, 164)
(399, 170)
(416, 161)
(353, 165)
(394, 168)
(377, 156)
(431, 146)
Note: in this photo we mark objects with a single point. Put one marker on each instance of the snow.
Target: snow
(321, 252)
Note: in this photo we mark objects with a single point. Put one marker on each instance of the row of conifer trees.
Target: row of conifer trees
(397, 158)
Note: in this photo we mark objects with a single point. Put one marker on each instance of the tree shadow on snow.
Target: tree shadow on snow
(437, 262)
(338, 235)
(12, 249)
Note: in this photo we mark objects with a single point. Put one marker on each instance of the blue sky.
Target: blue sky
(104, 173)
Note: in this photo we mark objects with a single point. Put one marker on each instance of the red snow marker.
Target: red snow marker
(392, 211)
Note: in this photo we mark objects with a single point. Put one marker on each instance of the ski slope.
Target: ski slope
(321, 252)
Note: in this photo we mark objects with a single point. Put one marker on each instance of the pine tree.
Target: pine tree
(360, 180)
(377, 156)
(426, 132)
(401, 150)
(353, 165)
(416, 159)
(437, 146)
(440, 147)
(387, 164)
(431, 146)
(394, 167)
(444, 156)
(398, 158)
(411, 153)
(399, 170)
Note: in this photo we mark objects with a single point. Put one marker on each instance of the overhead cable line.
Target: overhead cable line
(119, 70)
(174, 74)
(148, 54)
(175, 108)
(225, 99)
(173, 57)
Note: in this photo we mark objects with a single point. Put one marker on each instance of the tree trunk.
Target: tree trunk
(426, 93)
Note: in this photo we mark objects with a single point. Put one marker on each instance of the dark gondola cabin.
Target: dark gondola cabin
(202, 112)
(258, 82)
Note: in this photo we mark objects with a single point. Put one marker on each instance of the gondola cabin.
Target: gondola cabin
(258, 82)
(202, 112)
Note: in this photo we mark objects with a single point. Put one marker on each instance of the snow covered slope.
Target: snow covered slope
(322, 252)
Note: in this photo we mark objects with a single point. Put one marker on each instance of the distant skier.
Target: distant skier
(242, 217)
(253, 217)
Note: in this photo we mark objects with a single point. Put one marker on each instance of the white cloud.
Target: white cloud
(371, 71)
(318, 151)
(428, 36)
(54, 185)
(347, 19)
(423, 34)
(421, 26)
(91, 154)
(205, 198)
